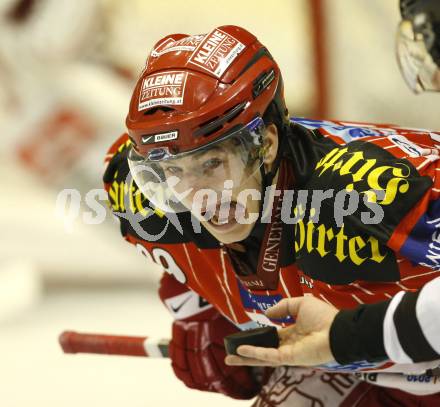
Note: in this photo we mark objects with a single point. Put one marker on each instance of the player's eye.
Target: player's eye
(173, 170)
(211, 164)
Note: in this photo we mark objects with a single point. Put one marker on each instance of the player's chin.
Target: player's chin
(230, 232)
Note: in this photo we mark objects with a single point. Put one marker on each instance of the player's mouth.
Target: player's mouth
(224, 219)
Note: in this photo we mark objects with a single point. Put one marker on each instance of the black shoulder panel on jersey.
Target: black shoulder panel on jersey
(304, 149)
(362, 167)
(352, 248)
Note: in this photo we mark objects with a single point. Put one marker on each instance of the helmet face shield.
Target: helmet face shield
(416, 64)
(196, 180)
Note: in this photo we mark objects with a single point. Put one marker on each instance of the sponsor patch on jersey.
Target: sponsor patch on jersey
(162, 89)
(171, 45)
(423, 243)
(344, 130)
(413, 150)
(255, 306)
(160, 138)
(216, 52)
(353, 367)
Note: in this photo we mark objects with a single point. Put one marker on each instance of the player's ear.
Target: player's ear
(270, 145)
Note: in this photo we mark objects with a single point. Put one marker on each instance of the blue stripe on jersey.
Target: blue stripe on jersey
(422, 245)
(356, 366)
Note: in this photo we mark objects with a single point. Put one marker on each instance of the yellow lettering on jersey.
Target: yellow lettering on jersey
(325, 241)
(375, 252)
(343, 162)
(353, 250)
(117, 194)
(340, 244)
(323, 236)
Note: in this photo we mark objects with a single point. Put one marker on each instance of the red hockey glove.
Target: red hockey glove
(197, 353)
(197, 350)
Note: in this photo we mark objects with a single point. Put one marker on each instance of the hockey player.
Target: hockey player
(405, 328)
(243, 208)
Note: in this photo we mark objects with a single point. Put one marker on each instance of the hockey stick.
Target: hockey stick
(75, 342)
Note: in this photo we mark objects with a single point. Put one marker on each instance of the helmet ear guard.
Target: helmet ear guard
(280, 113)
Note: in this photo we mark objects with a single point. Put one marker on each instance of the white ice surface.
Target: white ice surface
(34, 372)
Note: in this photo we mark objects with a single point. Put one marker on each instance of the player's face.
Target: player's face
(232, 215)
(219, 190)
(221, 185)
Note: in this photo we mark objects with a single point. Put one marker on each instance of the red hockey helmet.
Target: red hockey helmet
(197, 93)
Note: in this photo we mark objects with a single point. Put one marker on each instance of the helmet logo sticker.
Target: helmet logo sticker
(216, 52)
(162, 89)
(161, 137)
(171, 45)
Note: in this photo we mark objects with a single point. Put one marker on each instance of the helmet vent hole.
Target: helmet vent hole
(208, 122)
(235, 111)
(209, 127)
(216, 124)
(154, 110)
(212, 131)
